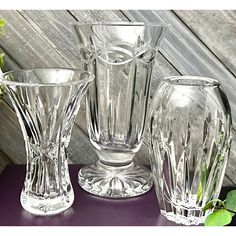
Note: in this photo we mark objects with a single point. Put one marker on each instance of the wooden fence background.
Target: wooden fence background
(197, 43)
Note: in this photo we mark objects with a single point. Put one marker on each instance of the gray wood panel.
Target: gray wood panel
(30, 49)
(231, 166)
(89, 16)
(11, 141)
(44, 39)
(190, 56)
(54, 28)
(9, 63)
(217, 32)
(80, 148)
(162, 67)
(12, 144)
(23, 43)
(187, 53)
(4, 160)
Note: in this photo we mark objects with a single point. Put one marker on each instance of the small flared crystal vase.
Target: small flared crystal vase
(46, 102)
(190, 142)
(121, 55)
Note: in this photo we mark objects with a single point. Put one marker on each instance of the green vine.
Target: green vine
(223, 210)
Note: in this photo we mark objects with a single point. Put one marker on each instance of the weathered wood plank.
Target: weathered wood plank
(46, 38)
(231, 167)
(162, 67)
(54, 26)
(11, 141)
(4, 160)
(9, 63)
(227, 182)
(23, 43)
(35, 51)
(217, 29)
(189, 55)
(36, 32)
(80, 149)
(51, 29)
(89, 16)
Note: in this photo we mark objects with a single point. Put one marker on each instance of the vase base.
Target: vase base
(115, 182)
(46, 207)
(184, 220)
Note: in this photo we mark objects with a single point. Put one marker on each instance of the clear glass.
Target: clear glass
(121, 55)
(46, 102)
(190, 141)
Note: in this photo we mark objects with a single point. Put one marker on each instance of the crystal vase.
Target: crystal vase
(121, 56)
(46, 102)
(190, 141)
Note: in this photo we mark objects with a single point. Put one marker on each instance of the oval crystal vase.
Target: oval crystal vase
(190, 142)
(121, 56)
(46, 102)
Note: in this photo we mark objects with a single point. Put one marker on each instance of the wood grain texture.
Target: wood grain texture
(187, 53)
(54, 28)
(25, 45)
(80, 149)
(192, 57)
(4, 160)
(44, 39)
(89, 16)
(162, 67)
(217, 32)
(35, 51)
(9, 63)
(11, 141)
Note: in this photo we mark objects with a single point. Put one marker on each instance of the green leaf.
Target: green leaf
(231, 201)
(232, 214)
(214, 203)
(208, 206)
(2, 23)
(1, 60)
(202, 184)
(219, 217)
(2, 92)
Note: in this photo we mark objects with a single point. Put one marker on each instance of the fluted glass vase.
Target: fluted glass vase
(46, 102)
(190, 141)
(121, 55)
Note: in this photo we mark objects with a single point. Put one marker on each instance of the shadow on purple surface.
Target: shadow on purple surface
(87, 209)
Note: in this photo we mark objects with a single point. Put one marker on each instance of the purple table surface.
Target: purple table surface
(87, 209)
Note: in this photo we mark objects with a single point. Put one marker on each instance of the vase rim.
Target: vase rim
(191, 81)
(122, 23)
(5, 81)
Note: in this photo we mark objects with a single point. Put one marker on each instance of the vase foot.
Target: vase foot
(115, 182)
(46, 207)
(183, 220)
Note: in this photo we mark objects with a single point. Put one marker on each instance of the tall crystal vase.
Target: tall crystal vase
(190, 142)
(46, 102)
(121, 55)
